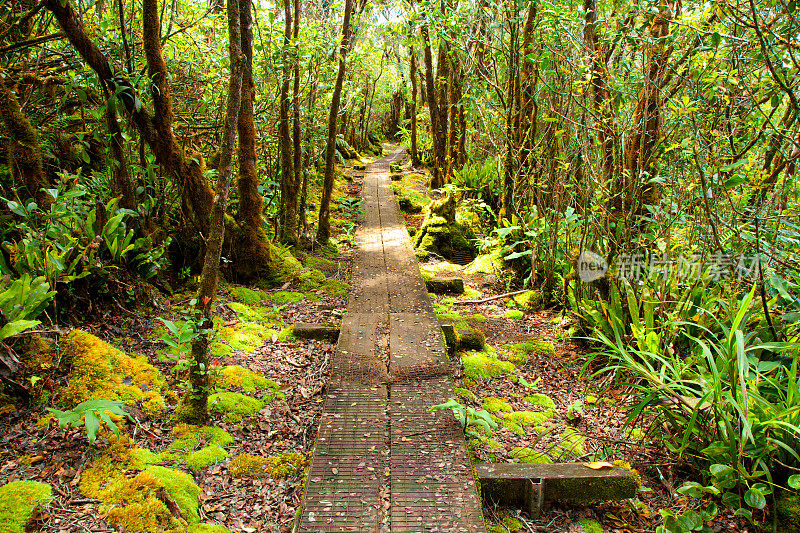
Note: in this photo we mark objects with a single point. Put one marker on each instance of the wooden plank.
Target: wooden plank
(509, 483)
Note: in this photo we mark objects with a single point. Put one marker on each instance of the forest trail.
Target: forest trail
(382, 461)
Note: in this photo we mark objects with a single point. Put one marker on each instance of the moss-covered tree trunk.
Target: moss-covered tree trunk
(289, 188)
(324, 222)
(194, 406)
(439, 136)
(252, 250)
(297, 152)
(197, 195)
(156, 130)
(24, 153)
(413, 76)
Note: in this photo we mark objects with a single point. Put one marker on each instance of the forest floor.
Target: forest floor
(585, 412)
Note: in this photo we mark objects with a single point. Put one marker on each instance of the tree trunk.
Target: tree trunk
(156, 131)
(197, 194)
(297, 152)
(413, 76)
(439, 138)
(252, 250)
(640, 160)
(24, 153)
(604, 114)
(194, 406)
(324, 223)
(288, 186)
(122, 176)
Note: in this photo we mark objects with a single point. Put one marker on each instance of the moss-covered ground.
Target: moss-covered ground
(265, 397)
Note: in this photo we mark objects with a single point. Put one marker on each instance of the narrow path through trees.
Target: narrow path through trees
(382, 460)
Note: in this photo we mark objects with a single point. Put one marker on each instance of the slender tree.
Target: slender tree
(414, 82)
(194, 405)
(324, 222)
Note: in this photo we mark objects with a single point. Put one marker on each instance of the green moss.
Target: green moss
(528, 418)
(514, 314)
(495, 405)
(572, 444)
(470, 339)
(315, 262)
(466, 394)
(199, 447)
(210, 455)
(207, 528)
(495, 529)
(528, 301)
(484, 365)
(278, 467)
(590, 526)
(541, 400)
(310, 280)
(286, 334)
(233, 405)
(788, 510)
(486, 264)
(477, 319)
(513, 524)
(520, 352)
(248, 296)
(18, 500)
(335, 288)
(286, 297)
(528, 455)
(130, 491)
(254, 313)
(635, 433)
(236, 376)
(182, 488)
(100, 371)
(245, 337)
(472, 294)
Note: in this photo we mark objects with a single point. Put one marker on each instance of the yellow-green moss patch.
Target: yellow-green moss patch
(514, 314)
(528, 455)
(248, 296)
(465, 393)
(18, 500)
(254, 313)
(100, 371)
(486, 264)
(249, 381)
(484, 365)
(572, 444)
(278, 467)
(233, 405)
(541, 400)
(590, 526)
(131, 493)
(528, 301)
(286, 297)
(495, 405)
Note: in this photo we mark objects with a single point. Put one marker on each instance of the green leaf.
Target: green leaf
(754, 498)
(691, 520)
(16, 327)
(794, 481)
(92, 425)
(16, 209)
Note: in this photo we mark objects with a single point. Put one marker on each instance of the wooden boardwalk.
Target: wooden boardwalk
(383, 462)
